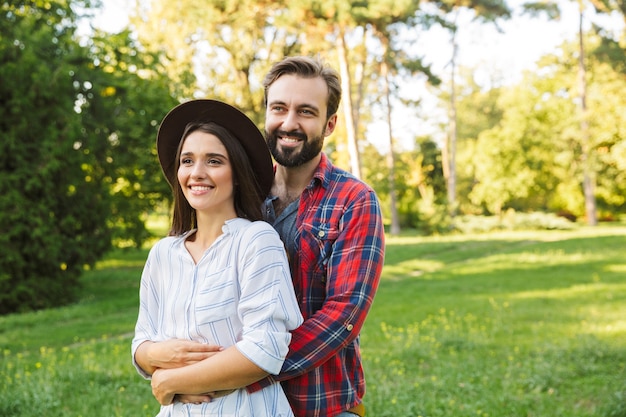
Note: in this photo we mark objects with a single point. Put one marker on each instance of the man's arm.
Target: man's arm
(353, 274)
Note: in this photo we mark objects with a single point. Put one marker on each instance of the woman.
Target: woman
(221, 279)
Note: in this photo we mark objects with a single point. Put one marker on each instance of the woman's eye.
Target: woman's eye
(185, 161)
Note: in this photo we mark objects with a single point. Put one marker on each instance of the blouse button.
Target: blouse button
(349, 327)
(321, 233)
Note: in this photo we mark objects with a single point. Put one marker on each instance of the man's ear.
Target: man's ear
(330, 125)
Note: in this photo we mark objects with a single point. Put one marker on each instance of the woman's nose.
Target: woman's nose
(197, 171)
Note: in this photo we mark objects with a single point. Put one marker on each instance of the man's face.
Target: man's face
(295, 119)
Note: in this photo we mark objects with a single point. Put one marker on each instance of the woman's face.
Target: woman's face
(205, 174)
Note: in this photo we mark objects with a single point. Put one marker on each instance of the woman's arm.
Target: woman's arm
(226, 370)
(174, 353)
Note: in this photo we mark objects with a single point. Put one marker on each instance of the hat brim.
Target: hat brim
(174, 124)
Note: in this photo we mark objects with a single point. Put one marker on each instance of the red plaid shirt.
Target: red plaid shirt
(335, 274)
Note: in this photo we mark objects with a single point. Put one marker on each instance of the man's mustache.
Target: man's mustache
(292, 134)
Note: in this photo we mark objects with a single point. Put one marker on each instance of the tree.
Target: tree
(515, 160)
(586, 157)
(79, 167)
(477, 110)
(486, 11)
(227, 45)
(589, 180)
(532, 159)
(606, 124)
(123, 97)
(392, 62)
(51, 207)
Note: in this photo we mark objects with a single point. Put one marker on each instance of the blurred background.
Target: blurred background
(459, 114)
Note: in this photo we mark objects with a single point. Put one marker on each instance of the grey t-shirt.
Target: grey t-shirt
(285, 225)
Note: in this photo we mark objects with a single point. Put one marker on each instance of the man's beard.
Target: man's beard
(291, 158)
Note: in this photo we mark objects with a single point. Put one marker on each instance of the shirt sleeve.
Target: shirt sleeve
(352, 275)
(145, 328)
(268, 308)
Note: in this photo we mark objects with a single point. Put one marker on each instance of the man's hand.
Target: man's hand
(202, 398)
(193, 399)
(176, 353)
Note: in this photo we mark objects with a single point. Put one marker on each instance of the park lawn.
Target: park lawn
(507, 324)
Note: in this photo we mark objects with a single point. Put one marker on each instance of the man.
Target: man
(332, 228)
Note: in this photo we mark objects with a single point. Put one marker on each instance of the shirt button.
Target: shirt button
(321, 233)
(349, 327)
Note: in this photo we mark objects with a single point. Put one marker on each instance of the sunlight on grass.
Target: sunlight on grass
(612, 329)
(123, 258)
(120, 263)
(599, 291)
(529, 261)
(411, 268)
(404, 240)
(621, 268)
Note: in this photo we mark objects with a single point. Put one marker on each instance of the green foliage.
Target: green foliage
(123, 97)
(531, 159)
(420, 189)
(515, 162)
(77, 157)
(51, 207)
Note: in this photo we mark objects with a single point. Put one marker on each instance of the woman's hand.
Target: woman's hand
(173, 353)
(166, 396)
(176, 353)
(159, 387)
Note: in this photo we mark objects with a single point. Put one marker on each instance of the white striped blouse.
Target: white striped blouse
(240, 293)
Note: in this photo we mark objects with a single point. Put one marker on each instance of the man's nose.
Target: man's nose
(290, 122)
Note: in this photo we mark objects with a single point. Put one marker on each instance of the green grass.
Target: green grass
(528, 324)
(510, 324)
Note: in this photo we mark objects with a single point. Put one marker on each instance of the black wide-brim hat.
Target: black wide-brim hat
(174, 124)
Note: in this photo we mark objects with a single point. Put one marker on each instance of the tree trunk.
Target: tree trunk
(586, 160)
(391, 160)
(452, 134)
(353, 147)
